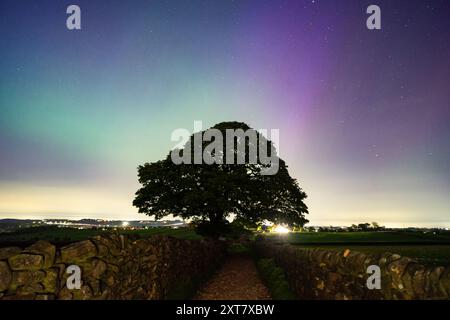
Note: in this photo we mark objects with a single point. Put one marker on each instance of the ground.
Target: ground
(238, 279)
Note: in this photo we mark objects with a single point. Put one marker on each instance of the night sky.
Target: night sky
(364, 116)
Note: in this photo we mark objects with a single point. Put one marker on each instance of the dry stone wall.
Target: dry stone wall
(321, 274)
(112, 267)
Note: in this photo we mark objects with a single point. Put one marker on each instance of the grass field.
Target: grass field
(56, 234)
(399, 237)
(426, 254)
(427, 248)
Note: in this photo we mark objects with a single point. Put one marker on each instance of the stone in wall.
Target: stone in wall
(5, 276)
(45, 249)
(26, 261)
(321, 274)
(7, 252)
(78, 251)
(112, 267)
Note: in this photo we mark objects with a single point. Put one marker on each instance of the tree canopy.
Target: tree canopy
(211, 193)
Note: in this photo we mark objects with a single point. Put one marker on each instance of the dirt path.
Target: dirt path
(238, 279)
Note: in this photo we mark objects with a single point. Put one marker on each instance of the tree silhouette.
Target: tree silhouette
(364, 226)
(210, 193)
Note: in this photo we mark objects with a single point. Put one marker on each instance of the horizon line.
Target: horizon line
(318, 223)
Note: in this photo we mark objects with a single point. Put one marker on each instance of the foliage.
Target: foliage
(374, 226)
(187, 288)
(238, 248)
(275, 280)
(207, 229)
(212, 192)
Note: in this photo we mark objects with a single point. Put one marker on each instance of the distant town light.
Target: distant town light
(281, 229)
(125, 224)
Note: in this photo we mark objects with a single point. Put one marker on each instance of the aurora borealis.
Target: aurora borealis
(363, 115)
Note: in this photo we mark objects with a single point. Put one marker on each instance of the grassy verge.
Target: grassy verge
(275, 279)
(186, 290)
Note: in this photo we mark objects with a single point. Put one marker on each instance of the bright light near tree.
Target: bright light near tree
(281, 229)
(125, 223)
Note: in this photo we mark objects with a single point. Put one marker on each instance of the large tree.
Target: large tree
(210, 193)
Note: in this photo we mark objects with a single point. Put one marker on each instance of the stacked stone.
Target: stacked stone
(113, 267)
(322, 274)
